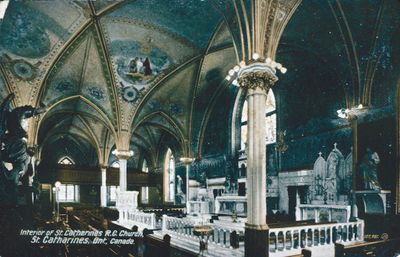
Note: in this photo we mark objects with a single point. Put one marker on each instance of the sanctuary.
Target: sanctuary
(243, 128)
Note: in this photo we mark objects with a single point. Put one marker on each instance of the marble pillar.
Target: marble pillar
(187, 161)
(103, 188)
(353, 200)
(257, 79)
(123, 156)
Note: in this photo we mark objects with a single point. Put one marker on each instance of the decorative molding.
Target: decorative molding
(262, 79)
(123, 154)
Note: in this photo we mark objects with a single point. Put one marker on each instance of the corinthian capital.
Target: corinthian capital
(263, 79)
(257, 74)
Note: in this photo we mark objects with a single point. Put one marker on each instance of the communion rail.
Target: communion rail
(220, 235)
(138, 218)
(281, 240)
(308, 236)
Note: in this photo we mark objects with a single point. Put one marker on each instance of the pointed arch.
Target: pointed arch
(169, 176)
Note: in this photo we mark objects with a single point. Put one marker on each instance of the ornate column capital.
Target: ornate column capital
(187, 160)
(123, 154)
(257, 75)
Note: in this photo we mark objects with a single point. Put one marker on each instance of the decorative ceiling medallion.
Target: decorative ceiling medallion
(23, 70)
(64, 85)
(175, 109)
(97, 93)
(129, 94)
(154, 104)
(20, 68)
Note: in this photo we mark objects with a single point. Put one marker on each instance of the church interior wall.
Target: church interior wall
(338, 54)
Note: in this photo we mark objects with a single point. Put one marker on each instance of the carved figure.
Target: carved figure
(201, 178)
(369, 170)
(179, 185)
(14, 151)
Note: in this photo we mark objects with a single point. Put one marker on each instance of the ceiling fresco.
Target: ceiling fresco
(191, 19)
(33, 33)
(151, 71)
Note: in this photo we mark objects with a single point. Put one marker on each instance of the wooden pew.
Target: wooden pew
(376, 248)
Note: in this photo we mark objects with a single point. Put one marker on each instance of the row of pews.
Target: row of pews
(382, 248)
(93, 220)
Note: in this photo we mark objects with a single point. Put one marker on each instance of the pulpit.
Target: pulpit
(372, 201)
(126, 201)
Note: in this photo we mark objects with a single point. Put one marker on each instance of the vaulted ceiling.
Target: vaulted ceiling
(78, 59)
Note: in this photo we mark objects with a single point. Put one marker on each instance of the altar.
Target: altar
(228, 204)
(202, 207)
(323, 212)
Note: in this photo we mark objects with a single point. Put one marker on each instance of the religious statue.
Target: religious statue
(179, 185)
(201, 178)
(227, 184)
(369, 170)
(180, 197)
(14, 151)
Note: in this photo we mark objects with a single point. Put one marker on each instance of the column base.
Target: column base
(256, 241)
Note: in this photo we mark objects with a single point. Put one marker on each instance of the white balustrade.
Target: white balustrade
(220, 236)
(178, 226)
(307, 236)
(138, 218)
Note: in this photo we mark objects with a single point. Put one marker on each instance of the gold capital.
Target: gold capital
(253, 79)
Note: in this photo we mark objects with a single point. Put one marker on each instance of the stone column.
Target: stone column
(123, 156)
(257, 79)
(187, 161)
(103, 188)
(30, 195)
(353, 200)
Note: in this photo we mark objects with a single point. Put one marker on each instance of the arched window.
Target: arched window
(169, 177)
(270, 120)
(66, 161)
(145, 190)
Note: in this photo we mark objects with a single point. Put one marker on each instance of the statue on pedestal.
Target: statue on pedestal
(14, 151)
(369, 170)
(180, 196)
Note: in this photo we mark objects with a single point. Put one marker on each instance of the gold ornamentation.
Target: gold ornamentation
(263, 79)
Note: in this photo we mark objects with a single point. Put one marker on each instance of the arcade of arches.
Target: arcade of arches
(251, 115)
